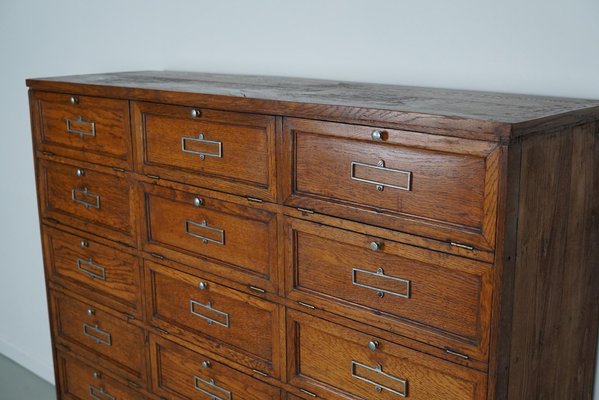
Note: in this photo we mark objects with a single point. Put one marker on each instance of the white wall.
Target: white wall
(536, 46)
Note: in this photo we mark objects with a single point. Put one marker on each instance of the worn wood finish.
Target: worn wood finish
(78, 380)
(106, 273)
(107, 338)
(237, 149)
(94, 129)
(436, 296)
(440, 187)
(480, 282)
(239, 326)
(322, 355)
(96, 202)
(556, 296)
(241, 238)
(184, 374)
(480, 115)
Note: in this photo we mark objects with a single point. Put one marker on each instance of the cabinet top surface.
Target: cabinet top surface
(496, 114)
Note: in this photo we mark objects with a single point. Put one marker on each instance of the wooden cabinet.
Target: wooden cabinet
(233, 237)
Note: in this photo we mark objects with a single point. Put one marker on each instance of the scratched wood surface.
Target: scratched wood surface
(482, 115)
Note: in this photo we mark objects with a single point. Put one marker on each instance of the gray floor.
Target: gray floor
(17, 383)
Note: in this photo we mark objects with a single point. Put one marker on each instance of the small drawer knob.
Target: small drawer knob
(97, 375)
(206, 364)
(203, 285)
(378, 135)
(373, 345)
(80, 172)
(74, 100)
(375, 246)
(91, 311)
(84, 244)
(198, 202)
(195, 113)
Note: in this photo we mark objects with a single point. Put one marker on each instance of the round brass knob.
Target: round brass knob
(202, 285)
(97, 375)
(80, 172)
(83, 244)
(375, 246)
(91, 311)
(206, 364)
(373, 345)
(198, 202)
(74, 100)
(195, 113)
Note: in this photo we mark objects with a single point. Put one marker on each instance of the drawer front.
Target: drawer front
(92, 268)
(184, 226)
(335, 362)
(80, 381)
(87, 128)
(234, 324)
(87, 199)
(231, 152)
(437, 298)
(434, 186)
(100, 333)
(190, 375)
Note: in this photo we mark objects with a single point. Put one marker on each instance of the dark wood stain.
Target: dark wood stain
(556, 296)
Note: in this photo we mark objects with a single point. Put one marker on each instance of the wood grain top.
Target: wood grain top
(480, 115)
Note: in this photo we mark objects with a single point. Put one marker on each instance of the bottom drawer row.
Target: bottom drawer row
(79, 380)
(180, 374)
(324, 360)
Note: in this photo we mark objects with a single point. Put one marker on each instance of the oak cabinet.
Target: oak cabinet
(231, 237)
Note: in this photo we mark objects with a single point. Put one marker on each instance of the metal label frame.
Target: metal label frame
(80, 120)
(379, 370)
(93, 390)
(212, 384)
(200, 139)
(193, 303)
(96, 329)
(85, 191)
(352, 175)
(380, 273)
(89, 262)
(204, 225)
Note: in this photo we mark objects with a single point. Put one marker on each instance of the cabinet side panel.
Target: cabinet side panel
(556, 287)
(507, 228)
